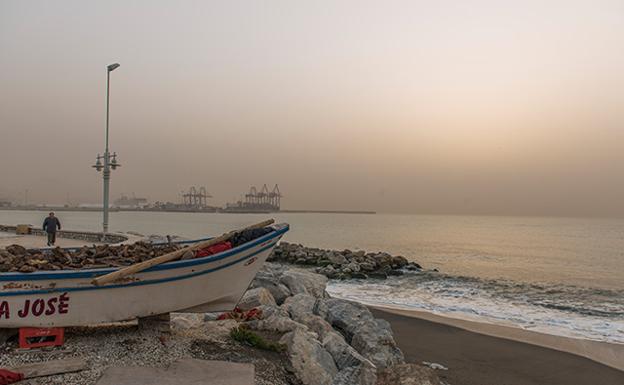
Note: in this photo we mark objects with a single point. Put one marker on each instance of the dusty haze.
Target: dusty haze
(484, 107)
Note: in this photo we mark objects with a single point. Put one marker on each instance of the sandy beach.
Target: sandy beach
(479, 354)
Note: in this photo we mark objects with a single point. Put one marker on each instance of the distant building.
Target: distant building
(5, 203)
(130, 203)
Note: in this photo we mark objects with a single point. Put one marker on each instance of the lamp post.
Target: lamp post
(106, 162)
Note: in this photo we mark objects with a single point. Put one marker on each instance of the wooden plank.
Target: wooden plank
(49, 368)
(138, 267)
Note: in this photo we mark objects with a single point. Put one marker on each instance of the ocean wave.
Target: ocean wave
(579, 312)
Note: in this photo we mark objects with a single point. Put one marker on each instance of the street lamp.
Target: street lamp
(107, 161)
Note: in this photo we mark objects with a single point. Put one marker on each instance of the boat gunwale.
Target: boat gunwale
(280, 229)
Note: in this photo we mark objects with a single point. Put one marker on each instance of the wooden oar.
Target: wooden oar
(137, 267)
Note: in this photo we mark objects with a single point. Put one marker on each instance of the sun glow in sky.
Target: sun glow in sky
(485, 107)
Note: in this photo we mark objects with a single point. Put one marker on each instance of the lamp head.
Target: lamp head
(114, 163)
(98, 164)
(112, 67)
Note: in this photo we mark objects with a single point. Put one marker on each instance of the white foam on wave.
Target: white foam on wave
(476, 305)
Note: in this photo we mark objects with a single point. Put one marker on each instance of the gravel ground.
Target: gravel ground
(139, 346)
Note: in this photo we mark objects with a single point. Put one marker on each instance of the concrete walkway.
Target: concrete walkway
(187, 372)
(37, 241)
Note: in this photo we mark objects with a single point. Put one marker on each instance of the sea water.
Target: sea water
(561, 276)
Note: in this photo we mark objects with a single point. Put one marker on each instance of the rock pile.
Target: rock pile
(16, 258)
(343, 264)
(328, 341)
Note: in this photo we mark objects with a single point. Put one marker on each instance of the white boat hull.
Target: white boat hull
(68, 298)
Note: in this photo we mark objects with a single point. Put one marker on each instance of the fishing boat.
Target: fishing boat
(71, 298)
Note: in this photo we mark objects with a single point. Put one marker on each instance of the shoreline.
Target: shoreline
(604, 353)
(473, 358)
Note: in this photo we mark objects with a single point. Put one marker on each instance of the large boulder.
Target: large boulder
(218, 330)
(356, 375)
(268, 277)
(408, 374)
(383, 259)
(374, 341)
(344, 355)
(371, 337)
(352, 267)
(399, 262)
(312, 364)
(278, 291)
(255, 298)
(327, 271)
(299, 305)
(336, 258)
(272, 310)
(305, 282)
(276, 323)
(346, 316)
(185, 321)
(316, 324)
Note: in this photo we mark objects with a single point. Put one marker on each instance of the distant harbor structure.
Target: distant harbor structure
(263, 201)
(193, 200)
(133, 202)
(196, 198)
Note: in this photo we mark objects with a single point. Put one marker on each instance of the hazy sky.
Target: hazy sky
(493, 107)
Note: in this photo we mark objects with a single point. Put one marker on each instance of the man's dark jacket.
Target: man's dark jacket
(50, 224)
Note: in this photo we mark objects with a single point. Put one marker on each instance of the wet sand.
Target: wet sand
(474, 358)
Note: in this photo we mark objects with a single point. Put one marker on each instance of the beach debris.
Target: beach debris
(49, 368)
(434, 365)
(241, 315)
(345, 264)
(9, 377)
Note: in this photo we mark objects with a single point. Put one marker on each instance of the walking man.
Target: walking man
(50, 225)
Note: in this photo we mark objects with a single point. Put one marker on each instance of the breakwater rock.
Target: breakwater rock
(343, 264)
(327, 341)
